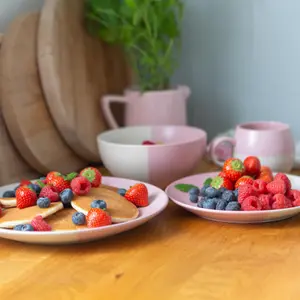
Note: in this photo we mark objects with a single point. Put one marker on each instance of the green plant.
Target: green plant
(148, 31)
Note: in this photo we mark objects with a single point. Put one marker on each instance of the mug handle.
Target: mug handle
(213, 147)
(105, 105)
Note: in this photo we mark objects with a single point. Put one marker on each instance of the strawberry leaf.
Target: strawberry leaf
(70, 176)
(184, 187)
(207, 181)
(40, 183)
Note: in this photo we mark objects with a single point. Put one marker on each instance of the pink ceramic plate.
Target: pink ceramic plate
(158, 202)
(182, 199)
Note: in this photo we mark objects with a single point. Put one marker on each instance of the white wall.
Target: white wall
(11, 8)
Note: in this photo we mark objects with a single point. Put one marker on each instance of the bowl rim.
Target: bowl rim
(202, 135)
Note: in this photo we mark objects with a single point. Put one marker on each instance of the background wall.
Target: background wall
(240, 57)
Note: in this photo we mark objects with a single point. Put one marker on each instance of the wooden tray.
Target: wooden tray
(24, 108)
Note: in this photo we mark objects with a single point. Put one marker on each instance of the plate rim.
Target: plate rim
(224, 212)
(163, 204)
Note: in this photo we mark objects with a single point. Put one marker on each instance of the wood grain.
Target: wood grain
(13, 167)
(24, 108)
(175, 256)
(72, 70)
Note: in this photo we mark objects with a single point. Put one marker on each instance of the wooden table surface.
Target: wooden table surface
(175, 256)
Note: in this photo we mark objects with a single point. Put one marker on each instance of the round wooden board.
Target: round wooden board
(72, 69)
(13, 167)
(23, 105)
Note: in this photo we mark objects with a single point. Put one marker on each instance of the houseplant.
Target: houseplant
(149, 31)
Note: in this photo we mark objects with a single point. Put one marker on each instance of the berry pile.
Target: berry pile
(246, 186)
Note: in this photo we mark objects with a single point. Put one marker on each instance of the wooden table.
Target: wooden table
(176, 256)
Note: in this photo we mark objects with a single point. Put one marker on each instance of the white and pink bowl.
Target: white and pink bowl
(177, 152)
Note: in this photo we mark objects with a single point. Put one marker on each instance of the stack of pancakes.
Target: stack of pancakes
(60, 218)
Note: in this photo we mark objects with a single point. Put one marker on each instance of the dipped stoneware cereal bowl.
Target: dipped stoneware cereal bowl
(153, 154)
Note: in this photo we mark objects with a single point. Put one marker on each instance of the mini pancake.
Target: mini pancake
(15, 216)
(8, 202)
(118, 207)
(62, 220)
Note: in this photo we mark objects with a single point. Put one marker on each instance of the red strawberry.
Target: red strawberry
(52, 175)
(234, 169)
(265, 174)
(25, 197)
(245, 191)
(244, 180)
(97, 217)
(49, 192)
(138, 195)
(265, 201)
(80, 186)
(251, 203)
(222, 174)
(280, 201)
(148, 143)
(0, 211)
(285, 179)
(260, 186)
(93, 175)
(276, 187)
(25, 182)
(60, 183)
(39, 224)
(219, 182)
(252, 165)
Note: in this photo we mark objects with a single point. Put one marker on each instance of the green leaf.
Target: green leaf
(207, 181)
(70, 176)
(184, 187)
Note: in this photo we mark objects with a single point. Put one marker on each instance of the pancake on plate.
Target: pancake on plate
(8, 202)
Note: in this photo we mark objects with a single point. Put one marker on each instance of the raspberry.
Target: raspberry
(276, 187)
(265, 201)
(296, 202)
(39, 224)
(286, 180)
(80, 186)
(49, 192)
(245, 191)
(293, 194)
(251, 203)
(260, 186)
(280, 201)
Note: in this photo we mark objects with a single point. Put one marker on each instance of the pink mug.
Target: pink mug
(271, 142)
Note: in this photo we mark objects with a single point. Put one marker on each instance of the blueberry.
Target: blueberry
(228, 196)
(78, 218)
(35, 187)
(236, 193)
(122, 192)
(66, 196)
(209, 203)
(221, 205)
(233, 206)
(193, 198)
(203, 189)
(222, 190)
(27, 227)
(211, 192)
(9, 194)
(43, 202)
(99, 204)
(194, 191)
(18, 227)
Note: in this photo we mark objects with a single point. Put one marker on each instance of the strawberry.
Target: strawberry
(280, 202)
(93, 175)
(25, 182)
(148, 143)
(138, 195)
(59, 183)
(52, 175)
(260, 186)
(80, 186)
(276, 187)
(265, 201)
(219, 182)
(245, 191)
(252, 165)
(244, 180)
(222, 174)
(49, 192)
(25, 197)
(265, 174)
(97, 217)
(251, 203)
(234, 169)
(285, 179)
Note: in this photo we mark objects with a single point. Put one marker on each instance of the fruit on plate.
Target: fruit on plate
(243, 180)
(93, 175)
(234, 169)
(138, 195)
(25, 197)
(252, 165)
(265, 174)
(97, 217)
(80, 186)
(219, 182)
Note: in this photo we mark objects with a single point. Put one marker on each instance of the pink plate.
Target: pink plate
(158, 202)
(182, 199)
